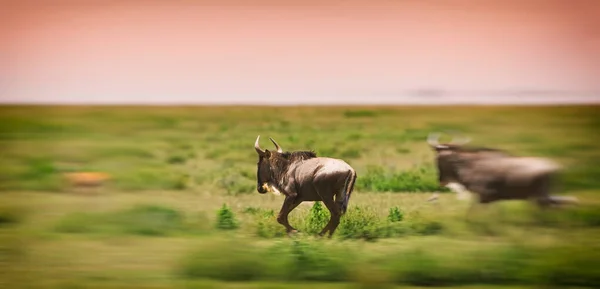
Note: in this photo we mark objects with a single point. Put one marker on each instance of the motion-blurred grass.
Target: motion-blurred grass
(211, 147)
(182, 208)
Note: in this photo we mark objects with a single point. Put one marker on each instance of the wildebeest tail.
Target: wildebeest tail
(350, 180)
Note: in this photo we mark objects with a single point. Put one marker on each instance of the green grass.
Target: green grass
(182, 209)
(193, 148)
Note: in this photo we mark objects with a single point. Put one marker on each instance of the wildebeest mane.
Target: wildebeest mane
(299, 155)
(281, 162)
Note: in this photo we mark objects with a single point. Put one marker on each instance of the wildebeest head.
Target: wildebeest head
(445, 158)
(273, 164)
(450, 156)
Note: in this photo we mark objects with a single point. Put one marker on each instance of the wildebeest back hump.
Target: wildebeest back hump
(321, 168)
(524, 169)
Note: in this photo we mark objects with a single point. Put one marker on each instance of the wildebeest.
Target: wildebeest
(302, 176)
(494, 175)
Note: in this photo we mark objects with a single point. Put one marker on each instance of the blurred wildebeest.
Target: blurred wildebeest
(302, 176)
(495, 175)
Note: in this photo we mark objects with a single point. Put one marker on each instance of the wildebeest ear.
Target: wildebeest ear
(267, 153)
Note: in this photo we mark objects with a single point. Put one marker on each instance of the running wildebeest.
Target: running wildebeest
(494, 175)
(302, 176)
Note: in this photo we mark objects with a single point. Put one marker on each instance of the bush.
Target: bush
(359, 223)
(395, 215)
(228, 261)
(315, 262)
(421, 179)
(145, 220)
(420, 225)
(289, 260)
(394, 227)
(226, 219)
(317, 219)
(432, 264)
(266, 223)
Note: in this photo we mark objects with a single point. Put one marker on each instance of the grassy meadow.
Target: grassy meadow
(181, 208)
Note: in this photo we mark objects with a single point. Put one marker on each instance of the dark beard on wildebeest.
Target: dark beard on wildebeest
(303, 176)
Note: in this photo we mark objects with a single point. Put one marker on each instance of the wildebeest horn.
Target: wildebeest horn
(279, 150)
(257, 147)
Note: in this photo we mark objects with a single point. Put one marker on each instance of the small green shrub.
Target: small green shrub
(269, 228)
(226, 219)
(318, 216)
(267, 225)
(359, 223)
(395, 215)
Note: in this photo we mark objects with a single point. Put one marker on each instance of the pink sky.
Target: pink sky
(65, 51)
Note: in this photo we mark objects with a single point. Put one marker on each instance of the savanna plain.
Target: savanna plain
(181, 210)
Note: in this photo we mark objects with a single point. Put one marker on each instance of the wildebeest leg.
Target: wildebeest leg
(544, 202)
(563, 200)
(289, 203)
(334, 220)
(544, 186)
